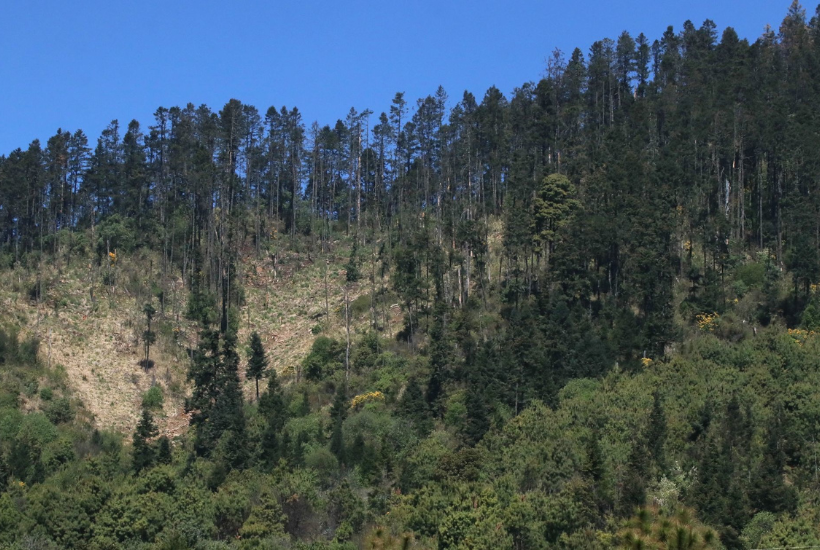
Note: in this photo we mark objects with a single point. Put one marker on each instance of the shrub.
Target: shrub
(752, 275)
(153, 398)
(325, 356)
(59, 411)
(360, 306)
(28, 350)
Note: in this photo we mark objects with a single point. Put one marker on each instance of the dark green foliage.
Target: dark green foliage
(656, 436)
(149, 337)
(477, 422)
(216, 402)
(326, 356)
(441, 358)
(273, 409)
(352, 274)
(59, 410)
(633, 486)
(769, 491)
(164, 455)
(414, 407)
(144, 453)
(257, 361)
(338, 414)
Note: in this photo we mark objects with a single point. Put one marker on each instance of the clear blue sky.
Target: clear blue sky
(83, 63)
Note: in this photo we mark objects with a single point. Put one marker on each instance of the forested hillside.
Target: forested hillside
(581, 316)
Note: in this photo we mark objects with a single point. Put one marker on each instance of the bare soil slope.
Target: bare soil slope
(93, 329)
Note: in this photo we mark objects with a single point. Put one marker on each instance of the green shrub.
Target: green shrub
(115, 233)
(325, 357)
(29, 347)
(153, 398)
(752, 275)
(59, 411)
(360, 306)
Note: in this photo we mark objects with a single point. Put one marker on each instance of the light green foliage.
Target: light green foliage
(153, 398)
(325, 357)
(554, 203)
(791, 532)
(759, 526)
(265, 519)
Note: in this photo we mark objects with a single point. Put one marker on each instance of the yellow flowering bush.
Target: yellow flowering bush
(646, 361)
(363, 398)
(801, 335)
(707, 321)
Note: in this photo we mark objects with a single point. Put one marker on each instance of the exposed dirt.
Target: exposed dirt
(93, 330)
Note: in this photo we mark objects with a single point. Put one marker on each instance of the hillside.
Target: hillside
(582, 315)
(93, 330)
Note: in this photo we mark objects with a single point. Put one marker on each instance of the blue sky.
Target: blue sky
(83, 63)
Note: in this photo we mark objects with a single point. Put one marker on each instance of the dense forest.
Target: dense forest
(606, 287)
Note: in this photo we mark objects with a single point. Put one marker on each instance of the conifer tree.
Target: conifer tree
(440, 357)
(272, 403)
(228, 417)
(149, 336)
(552, 208)
(413, 406)
(257, 361)
(338, 414)
(164, 455)
(216, 402)
(657, 432)
(352, 267)
(477, 422)
(769, 491)
(633, 488)
(273, 410)
(143, 452)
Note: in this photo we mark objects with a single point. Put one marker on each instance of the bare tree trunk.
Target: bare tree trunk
(347, 330)
(327, 309)
(359, 188)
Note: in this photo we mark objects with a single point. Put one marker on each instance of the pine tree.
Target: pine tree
(216, 402)
(477, 422)
(272, 404)
(257, 361)
(338, 413)
(164, 455)
(352, 267)
(286, 448)
(413, 406)
(440, 357)
(769, 490)
(633, 488)
(149, 336)
(204, 372)
(272, 408)
(143, 452)
(228, 415)
(657, 432)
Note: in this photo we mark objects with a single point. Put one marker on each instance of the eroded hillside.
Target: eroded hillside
(93, 330)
